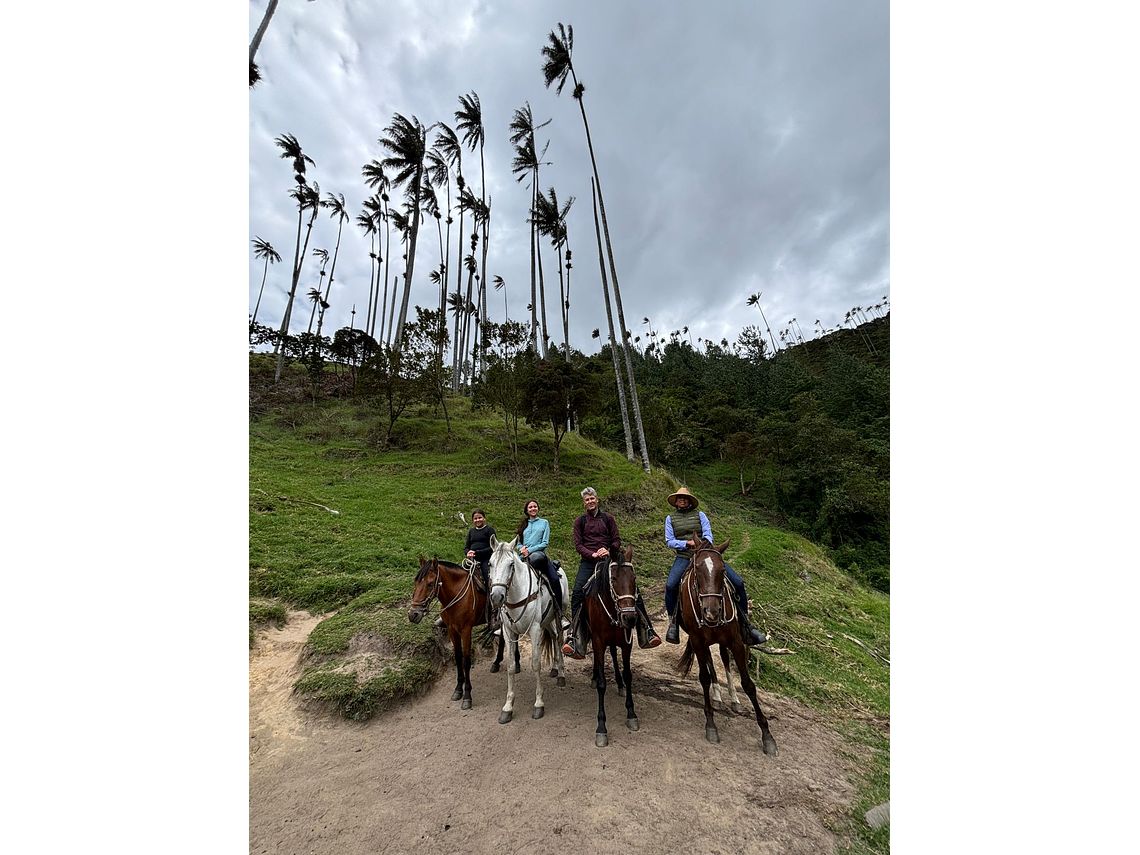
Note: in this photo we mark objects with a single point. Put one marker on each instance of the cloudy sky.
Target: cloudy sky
(742, 148)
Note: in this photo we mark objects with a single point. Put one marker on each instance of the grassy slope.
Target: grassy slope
(397, 504)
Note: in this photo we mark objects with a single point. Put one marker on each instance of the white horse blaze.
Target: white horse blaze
(709, 564)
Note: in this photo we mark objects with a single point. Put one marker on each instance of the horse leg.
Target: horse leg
(733, 698)
(466, 668)
(499, 657)
(630, 716)
(536, 666)
(601, 736)
(457, 647)
(509, 707)
(515, 655)
(559, 668)
(704, 657)
(617, 671)
(740, 653)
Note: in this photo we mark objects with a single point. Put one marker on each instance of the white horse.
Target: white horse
(527, 608)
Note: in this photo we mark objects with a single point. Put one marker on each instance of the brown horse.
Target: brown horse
(611, 616)
(708, 615)
(462, 605)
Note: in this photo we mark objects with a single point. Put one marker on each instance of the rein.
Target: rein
(533, 592)
(615, 598)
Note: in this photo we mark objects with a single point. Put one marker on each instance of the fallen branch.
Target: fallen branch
(868, 649)
(299, 501)
(776, 651)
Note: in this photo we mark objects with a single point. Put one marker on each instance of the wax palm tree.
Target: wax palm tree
(525, 165)
(307, 199)
(376, 179)
(469, 120)
(500, 285)
(323, 255)
(262, 249)
(254, 72)
(366, 222)
(616, 350)
(337, 210)
(558, 65)
(754, 300)
(550, 220)
(407, 142)
(401, 220)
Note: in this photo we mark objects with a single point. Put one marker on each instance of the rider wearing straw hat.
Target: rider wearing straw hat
(683, 530)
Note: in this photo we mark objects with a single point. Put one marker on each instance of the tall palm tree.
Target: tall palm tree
(375, 178)
(550, 220)
(614, 348)
(337, 209)
(306, 198)
(469, 120)
(323, 255)
(262, 249)
(401, 220)
(559, 65)
(407, 142)
(525, 165)
(254, 73)
(754, 300)
(500, 285)
(367, 223)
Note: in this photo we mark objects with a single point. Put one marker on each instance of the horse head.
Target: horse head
(708, 572)
(623, 587)
(426, 587)
(501, 568)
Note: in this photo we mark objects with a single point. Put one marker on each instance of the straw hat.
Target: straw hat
(683, 492)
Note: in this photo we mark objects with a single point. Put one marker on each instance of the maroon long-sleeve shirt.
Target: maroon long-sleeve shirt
(594, 531)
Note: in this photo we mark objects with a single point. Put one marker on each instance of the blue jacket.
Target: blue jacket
(536, 535)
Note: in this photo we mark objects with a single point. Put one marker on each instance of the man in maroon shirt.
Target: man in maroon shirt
(595, 537)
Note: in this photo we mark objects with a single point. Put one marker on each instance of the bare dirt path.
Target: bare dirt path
(428, 777)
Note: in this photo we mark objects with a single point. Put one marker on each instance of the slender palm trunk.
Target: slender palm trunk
(483, 266)
(332, 272)
(614, 276)
(613, 338)
(260, 291)
(300, 260)
(296, 259)
(387, 260)
(533, 281)
(373, 263)
(257, 37)
(456, 345)
(565, 312)
(411, 266)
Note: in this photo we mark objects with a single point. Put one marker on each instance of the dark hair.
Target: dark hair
(478, 511)
(526, 518)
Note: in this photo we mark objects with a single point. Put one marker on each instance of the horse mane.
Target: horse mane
(425, 565)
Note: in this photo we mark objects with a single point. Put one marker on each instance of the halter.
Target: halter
(693, 586)
(468, 565)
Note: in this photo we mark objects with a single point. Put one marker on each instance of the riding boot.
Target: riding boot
(438, 623)
(673, 634)
(576, 646)
(646, 635)
(752, 636)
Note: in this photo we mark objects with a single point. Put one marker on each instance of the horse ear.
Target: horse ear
(514, 541)
(722, 547)
(435, 562)
(494, 542)
(629, 553)
(423, 561)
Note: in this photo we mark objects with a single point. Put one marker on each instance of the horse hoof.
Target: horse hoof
(518, 669)
(561, 681)
(456, 695)
(621, 691)
(736, 708)
(538, 712)
(494, 667)
(632, 723)
(601, 740)
(505, 717)
(466, 704)
(711, 735)
(769, 746)
(553, 672)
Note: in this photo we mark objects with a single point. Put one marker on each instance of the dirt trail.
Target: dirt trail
(428, 777)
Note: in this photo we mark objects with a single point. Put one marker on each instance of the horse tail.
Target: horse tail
(685, 664)
(547, 651)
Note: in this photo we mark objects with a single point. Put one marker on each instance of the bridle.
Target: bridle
(694, 585)
(616, 598)
(421, 606)
(533, 587)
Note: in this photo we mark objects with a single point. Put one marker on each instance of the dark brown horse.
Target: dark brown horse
(708, 615)
(462, 605)
(611, 616)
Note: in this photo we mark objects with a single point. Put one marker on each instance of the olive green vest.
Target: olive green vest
(686, 526)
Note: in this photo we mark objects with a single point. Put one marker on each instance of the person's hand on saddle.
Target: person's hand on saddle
(524, 551)
(602, 553)
(470, 553)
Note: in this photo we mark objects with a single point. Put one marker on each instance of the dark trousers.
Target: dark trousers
(541, 563)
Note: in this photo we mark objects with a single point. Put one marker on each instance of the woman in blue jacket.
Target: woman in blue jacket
(533, 536)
